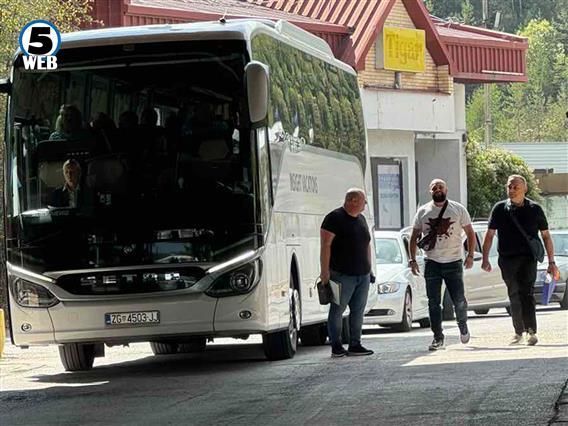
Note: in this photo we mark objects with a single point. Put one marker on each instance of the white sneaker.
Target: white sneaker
(531, 338)
(464, 334)
(515, 339)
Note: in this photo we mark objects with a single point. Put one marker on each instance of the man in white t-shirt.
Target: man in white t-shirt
(444, 261)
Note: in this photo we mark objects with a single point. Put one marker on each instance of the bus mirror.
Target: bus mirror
(5, 85)
(256, 74)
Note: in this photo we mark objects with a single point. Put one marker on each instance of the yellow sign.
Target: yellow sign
(403, 49)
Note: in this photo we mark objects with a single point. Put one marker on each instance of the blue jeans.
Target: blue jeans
(452, 274)
(354, 293)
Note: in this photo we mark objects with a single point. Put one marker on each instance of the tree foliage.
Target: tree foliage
(487, 172)
(533, 111)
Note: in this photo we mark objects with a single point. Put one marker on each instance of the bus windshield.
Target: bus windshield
(131, 154)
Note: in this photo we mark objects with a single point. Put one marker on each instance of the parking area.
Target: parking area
(484, 382)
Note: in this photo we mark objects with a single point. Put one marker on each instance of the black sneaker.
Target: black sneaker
(338, 352)
(464, 333)
(359, 350)
(436, 344)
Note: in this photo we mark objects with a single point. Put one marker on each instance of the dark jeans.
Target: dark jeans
(519, 273)
(354, 293)
(452, 274)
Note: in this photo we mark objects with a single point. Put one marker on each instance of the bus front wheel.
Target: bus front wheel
(77, 356)
(283, 344)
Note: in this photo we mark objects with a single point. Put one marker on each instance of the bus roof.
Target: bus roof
(237, 29)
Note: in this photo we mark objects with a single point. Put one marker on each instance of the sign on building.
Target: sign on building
(401, 49)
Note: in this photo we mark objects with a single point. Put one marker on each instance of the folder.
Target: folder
(335, 291)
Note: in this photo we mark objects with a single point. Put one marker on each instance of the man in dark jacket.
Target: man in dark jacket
(71, 194)
(516, 259)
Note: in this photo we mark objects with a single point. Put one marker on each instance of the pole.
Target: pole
(486, 86)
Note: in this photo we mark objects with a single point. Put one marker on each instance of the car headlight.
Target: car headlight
(388, 288)
(238, 281)
(31, 295)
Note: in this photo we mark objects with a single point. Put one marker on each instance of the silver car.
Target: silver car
(560, 294)
(402, 296)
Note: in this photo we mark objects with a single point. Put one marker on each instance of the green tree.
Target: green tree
(532, 111)
(487, 172)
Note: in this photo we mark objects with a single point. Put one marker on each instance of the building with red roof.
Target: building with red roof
(411, 67)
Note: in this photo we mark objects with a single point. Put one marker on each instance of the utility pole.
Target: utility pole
(486, 86)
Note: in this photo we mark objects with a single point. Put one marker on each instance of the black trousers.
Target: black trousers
(519, 273)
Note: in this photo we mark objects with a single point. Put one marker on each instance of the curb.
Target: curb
(561, 407)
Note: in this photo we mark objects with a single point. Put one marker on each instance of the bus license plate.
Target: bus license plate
(133, 318)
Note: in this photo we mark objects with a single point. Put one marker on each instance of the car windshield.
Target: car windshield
(560, 243)
(131, 154)
(387, 251)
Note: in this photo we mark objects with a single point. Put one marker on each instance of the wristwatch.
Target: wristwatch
(411, 261)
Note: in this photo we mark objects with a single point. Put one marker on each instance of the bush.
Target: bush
(487, 173)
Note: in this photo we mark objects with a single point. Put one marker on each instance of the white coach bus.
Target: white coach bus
(167, 184)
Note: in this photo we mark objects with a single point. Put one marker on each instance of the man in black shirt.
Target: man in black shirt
(516, 259)
(346, 258)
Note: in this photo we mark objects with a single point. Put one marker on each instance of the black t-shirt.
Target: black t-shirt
(511, 241)
(349, 248)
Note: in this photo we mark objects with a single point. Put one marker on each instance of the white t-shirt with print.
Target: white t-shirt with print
(449, 247)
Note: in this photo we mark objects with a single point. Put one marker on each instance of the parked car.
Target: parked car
(402, 296)
(484, 290)
(560, 294)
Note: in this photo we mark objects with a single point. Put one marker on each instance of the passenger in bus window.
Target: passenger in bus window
(105, 132)
(153, 136)
(346, 259)
(71, 194)
(69, 124)
(128, 139)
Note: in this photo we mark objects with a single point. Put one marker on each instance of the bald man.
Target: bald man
(444, 258)
(346, 258)
(516, 259)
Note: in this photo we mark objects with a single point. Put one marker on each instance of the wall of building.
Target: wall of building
(402, 110)
(445, 159)
(398, 145)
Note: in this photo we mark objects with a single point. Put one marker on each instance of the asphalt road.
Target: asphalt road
(483, 383)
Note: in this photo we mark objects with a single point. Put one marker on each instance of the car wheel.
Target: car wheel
(481, 311)
(564, 301)
(313, 335)
(406, 323)
(283, 344)
(77, 356)
(160, 348)
(447, 307)
(424, 322)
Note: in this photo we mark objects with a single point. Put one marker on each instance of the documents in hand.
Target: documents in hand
(335, 291)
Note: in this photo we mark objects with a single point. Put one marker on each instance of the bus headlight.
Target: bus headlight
(238, 281)
(30, 295)
(388, 288)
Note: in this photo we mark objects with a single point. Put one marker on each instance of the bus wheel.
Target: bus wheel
(313, 335)
(77, 356)
(160, 348)
(197, 344)
(283, 344)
